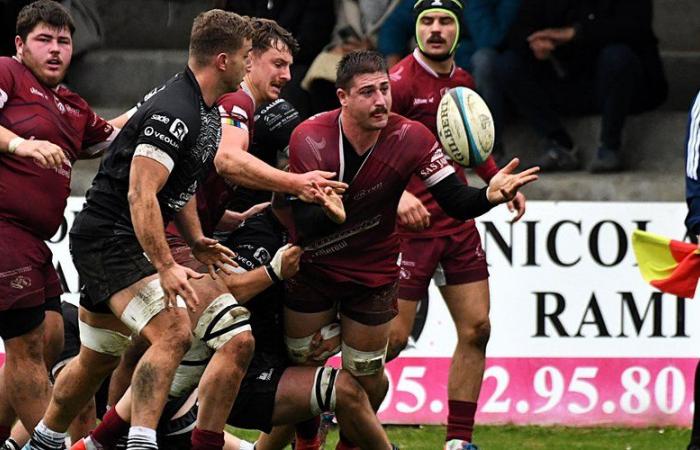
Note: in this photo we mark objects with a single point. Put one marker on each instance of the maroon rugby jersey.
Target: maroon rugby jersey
(416, 90)
(32, 197)
(236, 109)
(365, 248)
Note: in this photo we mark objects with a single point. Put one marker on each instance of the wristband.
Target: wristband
(14, 143)
(271, 273)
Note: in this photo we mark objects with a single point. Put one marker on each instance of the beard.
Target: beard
(437, 58)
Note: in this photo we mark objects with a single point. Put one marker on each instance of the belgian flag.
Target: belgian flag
(670, 266)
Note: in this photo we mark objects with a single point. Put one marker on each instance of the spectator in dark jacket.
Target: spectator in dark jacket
(310, 22)
(582, 56)
(486, 25)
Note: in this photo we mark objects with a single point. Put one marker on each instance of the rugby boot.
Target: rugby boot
(86, 444)
(457, 444)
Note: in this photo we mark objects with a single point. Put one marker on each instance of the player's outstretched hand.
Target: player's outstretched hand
(331, 202)
(44, 153)
(210, 252)
(517, 205)
(412, 213)
(291, 255)
(174, 281)
(505, 184)
(306, 189)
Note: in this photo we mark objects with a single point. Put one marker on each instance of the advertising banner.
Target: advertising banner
(577, 337)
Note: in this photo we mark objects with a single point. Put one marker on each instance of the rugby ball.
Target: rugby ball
(465, 127)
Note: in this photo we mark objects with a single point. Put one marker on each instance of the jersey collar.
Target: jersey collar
(419, 59)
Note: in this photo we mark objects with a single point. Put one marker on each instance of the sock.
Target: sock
(91, 444)
(142, 438)
(207, 440)
(308, 429)
(109, 430)
(460, 420)
(10, 444)
(4, 433)
(562, 138)
(344, 443)
(44, 438)
(245, 445)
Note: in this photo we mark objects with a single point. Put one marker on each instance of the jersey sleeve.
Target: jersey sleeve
(399, 100)
(7, 81)
(236, 111)
(303, 154)
(167, 133)
(432, 166)
(98, 134)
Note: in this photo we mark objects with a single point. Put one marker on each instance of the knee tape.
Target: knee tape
(299, 349)
(191, 368)
(101, 340)
(360, 363)
(149, 301)
(323, 390)
(223, 319)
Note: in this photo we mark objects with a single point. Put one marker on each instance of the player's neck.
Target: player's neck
(440, 67)
(253, 90)
(209, 84)
(362, 140)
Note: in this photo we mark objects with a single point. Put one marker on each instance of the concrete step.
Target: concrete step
(654, 151)
(676, 24)
(683, 74)
(160, 24)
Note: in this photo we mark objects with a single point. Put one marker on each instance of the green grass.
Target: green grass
(518, 437)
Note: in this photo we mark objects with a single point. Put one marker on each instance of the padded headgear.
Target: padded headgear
(455, 8)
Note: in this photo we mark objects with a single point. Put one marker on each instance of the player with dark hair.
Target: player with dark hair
(351, 250)
(132, 282)
(432, 240)
(44, 129)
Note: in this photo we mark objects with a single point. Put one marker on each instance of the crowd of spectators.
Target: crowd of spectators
(531, 59)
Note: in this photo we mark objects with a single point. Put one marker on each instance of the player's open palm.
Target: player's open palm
(44, 153)
(309, 183)
(505, 184)
(210, 252)
(331, 202)
(174, 281)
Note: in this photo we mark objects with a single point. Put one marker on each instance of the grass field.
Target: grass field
(536, 438)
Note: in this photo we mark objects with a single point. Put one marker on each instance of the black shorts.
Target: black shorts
(18, 322)
(256, 398)
(106, 265)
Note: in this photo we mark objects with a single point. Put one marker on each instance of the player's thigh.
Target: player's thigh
(402, 324)
(468, 303)
(293, 398)
(301, 324)
(362, 337)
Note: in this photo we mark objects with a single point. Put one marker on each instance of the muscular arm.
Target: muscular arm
(246, 285)
(146, 179)
(187, 222)
(458, 200)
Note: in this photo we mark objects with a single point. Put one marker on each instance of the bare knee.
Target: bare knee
(397, 343)
(241, 347)
(176, 338)
(476, 336)
(349, 392)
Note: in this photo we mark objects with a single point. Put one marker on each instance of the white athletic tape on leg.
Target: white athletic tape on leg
(361, 363)
(330, 331)
(298, 349)
(191, 368)
(101, 340)
(323, 390)
(147, 303)
(223, 319)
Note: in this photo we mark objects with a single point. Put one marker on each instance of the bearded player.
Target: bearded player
(432, 240)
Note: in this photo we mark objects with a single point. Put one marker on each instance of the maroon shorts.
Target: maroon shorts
(457, 258)
(182, 253)
(27, 275)
(309, 293)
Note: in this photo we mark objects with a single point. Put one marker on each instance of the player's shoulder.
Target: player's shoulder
(407, 127)
(319, 123)
(401, 71)
(462, 77)
(174, 101)
(238, 99)
(12, 65)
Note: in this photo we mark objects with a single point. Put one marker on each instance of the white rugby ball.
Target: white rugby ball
(465, 127)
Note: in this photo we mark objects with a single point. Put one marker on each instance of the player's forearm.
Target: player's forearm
(187, 222)
(248, 171)
(247, 285)
(148, 225)
(460, 201)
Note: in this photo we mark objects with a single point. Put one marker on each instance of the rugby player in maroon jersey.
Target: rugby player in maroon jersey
(349, 266)
(44, 129)
(430, 239)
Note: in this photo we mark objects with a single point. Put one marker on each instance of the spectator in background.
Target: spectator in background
(310, 22)
(579, 57)
(486, 26)
(356, 27)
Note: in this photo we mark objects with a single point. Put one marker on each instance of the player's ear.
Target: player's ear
(221, 60)
(342, 96)
(19, 45)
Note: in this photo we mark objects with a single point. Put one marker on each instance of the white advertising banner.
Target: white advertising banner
(578, 338)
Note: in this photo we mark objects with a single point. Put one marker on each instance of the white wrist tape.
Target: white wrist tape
(276, 262)
(14, 143)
